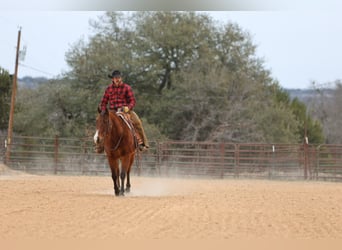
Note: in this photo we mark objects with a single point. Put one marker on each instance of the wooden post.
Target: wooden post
(222, 153)
(306, 146)
(56, 153)
(14, 93)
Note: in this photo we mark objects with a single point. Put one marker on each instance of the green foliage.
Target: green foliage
(307, 125)
(326, 108)
(5, 97)
(55, 108)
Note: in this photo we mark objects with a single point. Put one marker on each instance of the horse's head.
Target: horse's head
(101, 130)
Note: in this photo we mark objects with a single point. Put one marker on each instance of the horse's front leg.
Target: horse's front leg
(115, 177)
(128, 185)
(114, 167)
(122, 176)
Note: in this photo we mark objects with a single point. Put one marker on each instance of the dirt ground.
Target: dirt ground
(84, 207)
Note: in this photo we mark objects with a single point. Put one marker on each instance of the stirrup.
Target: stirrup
(143, 147)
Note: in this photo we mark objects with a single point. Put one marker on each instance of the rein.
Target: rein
(120, 139)
(117, 144)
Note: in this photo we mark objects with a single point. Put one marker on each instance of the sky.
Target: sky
(298, 46)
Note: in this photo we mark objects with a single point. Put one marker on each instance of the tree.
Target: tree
(5, 97)
(326, 107)
(55, 108)
(168, 42)
(307, 125)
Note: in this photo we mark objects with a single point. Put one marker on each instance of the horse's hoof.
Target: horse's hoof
(128, 190)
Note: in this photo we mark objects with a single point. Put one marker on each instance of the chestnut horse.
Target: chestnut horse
(115, 137)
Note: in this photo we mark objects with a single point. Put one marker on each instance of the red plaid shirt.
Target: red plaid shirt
(118, 96)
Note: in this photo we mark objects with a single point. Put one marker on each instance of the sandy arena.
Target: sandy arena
(64, 207)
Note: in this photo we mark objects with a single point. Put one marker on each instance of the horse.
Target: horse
(115, 136)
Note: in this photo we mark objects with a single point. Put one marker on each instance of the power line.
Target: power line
(35, 69)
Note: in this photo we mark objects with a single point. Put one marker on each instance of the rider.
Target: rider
(120, 97)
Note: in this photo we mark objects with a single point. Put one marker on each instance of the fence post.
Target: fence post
(317, 165)
(272, 168)
(306, 145)
(222, 151)
(158, 155)
(5, 150)
(237, 160)
(84, 154)
(138, 162)
(56, 153)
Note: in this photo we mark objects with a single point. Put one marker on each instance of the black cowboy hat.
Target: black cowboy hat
(115, 73)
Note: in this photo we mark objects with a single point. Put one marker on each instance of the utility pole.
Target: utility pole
(14, 93)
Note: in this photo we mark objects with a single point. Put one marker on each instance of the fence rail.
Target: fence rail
(179, 158)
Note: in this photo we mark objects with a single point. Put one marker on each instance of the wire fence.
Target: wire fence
(76, 156)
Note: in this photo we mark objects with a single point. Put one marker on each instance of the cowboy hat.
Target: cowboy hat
(115, 73)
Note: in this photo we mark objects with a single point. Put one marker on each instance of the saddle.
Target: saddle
(127, 119)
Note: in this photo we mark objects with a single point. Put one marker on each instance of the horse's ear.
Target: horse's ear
(99, 108)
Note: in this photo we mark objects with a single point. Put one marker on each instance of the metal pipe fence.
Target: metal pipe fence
(76, 156)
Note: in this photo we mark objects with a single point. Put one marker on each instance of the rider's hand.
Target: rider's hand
(103, 112)
(125, 109)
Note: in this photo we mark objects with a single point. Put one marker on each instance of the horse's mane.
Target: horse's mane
(102, 123)
(107, 122)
